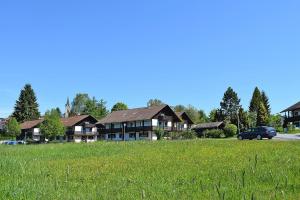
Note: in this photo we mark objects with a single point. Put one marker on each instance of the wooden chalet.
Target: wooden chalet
(292, 115)
(81, 128)
(200, 128)
(139, 123)
(186, 122)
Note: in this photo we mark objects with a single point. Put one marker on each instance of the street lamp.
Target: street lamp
(238, 117)
(124, 131)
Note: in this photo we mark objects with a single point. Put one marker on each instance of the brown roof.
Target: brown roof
(71, 121)
(183, 115)
(67, 122)
(208, 125)
(293, 107)
(136, 114)
(31, 124)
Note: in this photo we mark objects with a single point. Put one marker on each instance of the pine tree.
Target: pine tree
(255, 101)
(265, 100)
(230, 104)
(262, 115)
(26, 107)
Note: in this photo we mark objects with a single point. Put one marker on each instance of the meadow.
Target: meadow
(195, 169)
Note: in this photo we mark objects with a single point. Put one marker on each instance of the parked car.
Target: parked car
(12, 142)
(21, 142)
(258, 133)
(6, 142)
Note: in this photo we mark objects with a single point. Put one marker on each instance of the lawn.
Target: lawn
(198, 169)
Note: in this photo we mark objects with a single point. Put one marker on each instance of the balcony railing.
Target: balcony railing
(292, 119)
(85, 133)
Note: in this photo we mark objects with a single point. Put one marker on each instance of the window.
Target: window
(296, 113)
(130, 124)
(145, 134)
(131, 135)
(147, 123)
(117, 125)
(121, 136)
(107, 126)
(112, 136)
(139, 123)
(297, 124)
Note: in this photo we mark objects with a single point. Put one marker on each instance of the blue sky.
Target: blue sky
(183, 52)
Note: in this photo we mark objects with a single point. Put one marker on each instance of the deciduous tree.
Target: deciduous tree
(13, 128)
(154, 102)
(52, 125)
(119, 106)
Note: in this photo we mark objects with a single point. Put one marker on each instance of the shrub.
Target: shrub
(230, 130)
(213, 133)
(174, 135)
(159, 133)
(182, 135)
(189, 135)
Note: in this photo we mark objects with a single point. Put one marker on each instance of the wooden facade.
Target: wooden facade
(292, 115)
(139, 124)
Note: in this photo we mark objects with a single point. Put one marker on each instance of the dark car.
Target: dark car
(258, 133)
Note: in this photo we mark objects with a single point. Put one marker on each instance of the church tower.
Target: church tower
(67, 109)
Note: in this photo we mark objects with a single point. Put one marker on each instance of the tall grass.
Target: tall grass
(197, 169)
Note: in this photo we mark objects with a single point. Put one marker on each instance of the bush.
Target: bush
(174, 135)
(159, 133)
(230, 130)
(185, 135)
(213, 133)
(189, 135)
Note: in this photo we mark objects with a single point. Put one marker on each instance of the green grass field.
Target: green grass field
(199, 169)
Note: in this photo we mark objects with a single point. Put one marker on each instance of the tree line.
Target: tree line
(230, 111)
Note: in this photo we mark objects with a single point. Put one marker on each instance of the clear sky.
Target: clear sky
(182, 52)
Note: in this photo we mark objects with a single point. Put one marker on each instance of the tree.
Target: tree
(52, 125)
(12, 127)
(230, 104)
(265, 100)
(154, 102)
(96, 108)
(262, 115)
(252, 119)
(243, 119)
(255, 101)
(193, 113)
(119, 106)
(26, 107)
(84, 105)
(58, 111)
(216, 115)
(276, 121)
(202, 116)
(79, 104)
(179, 108)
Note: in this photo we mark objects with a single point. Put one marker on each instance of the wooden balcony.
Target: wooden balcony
(84, 133)
(292, 119)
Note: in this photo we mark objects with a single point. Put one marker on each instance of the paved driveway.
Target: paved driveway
(287, 137)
